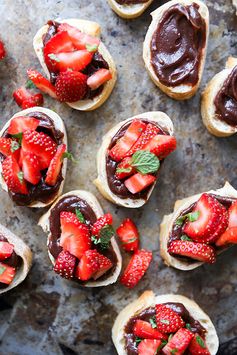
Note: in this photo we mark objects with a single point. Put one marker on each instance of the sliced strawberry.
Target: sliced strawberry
(22, 123)
(128, 235)
(124, 169)
(88, 265)
(65, 264)
(7, 274)
(41, 145)
(71, 86)
(101, 222)
(75, 237)
(198, 346)
(31, 167)
(80, 39)
(136, 268)
(144, 330)
(97, 79)
(179, 342)
(41, 83)
(77, 60)
(6, 250)
(232, 215)
(104, 265)
(139, 182)
(2, 50)
(228, 237)
(22, 95)
(148, 347)
(167, 320)
(34, 100)
(161, 145)
(9, 147)
(196, 251)
(12, 175)
(55, 166)
(124, 144)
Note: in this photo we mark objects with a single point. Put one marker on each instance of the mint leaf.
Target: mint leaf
(200, 342)
(184, 237)
(80, 216)
(29, 84)
(54, 57)
(14, 146)
(18, 136)
(173, 351)
(106, 233)
(2, 269)
(192, 217)
(138, 340)
(69, 156)
(153, 322)
(170, 337)
(91, 47)
(130, 241)
(20, 176)
(145, 162)
(163, 343)
(95, 240)
(123, 170)
(188, 326)
(164, 321)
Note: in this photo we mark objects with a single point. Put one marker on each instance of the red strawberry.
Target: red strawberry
(88, 265)
(179, 342)
(20, 95)
(25, 99)
(71, 86)
(196, 251)
(139, 182)
(22, 123)
(9, 147)
(34, 100)
(6, 250)
(198, 346)
(2, 50)
(7, 274)
(104, 265)
(124, 144)
(124, 169)
(41, 83)
(144, 330)
(228, 237)
(75, 237)
(167, 320)
(233, 215)
(77, 60)
(136, 268)
(128, 235)
(31, 167)
(148, 347)
(12, 176)
(99, 78)
(101, 222)
(161, 145)
(65, 264)
(80, 39)
(41, 145)
(55, 166)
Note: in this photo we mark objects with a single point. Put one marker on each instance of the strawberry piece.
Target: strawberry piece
(41, 145)
(71, 86)
(6, 250)
(232, 215)
(9, 147)
(41, 83)
(101, 222)
(128, 235)
(228, 237)
(97, 79)
(179, 342)
(25, 99)
(198, 346)
(161, 145)
(31, 167)
(65, 264)
(11, 174)
(34, 100)
(144, 329)
(79, 39)
(2, 51)
(124, 144)
(21, 124)
(126, 169)
(196, 251)
(75, 237)
(167, 320)
(7, 274)
(88, 265)
(77, 60)
(139, 182)
(104, 265)
(148, 347)
(55, 166)
(136, 268)
(20, 95)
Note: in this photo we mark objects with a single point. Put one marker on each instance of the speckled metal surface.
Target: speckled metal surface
(46, 315)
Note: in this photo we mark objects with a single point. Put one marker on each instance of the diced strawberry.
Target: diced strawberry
(9, 147)
(41, 145)
(77, 60)
(6, 250)
(55, 166)
(139, 182)
(136, 268)
(161, 145)
(31, 167)
(148, 347)
(97, 79)
(124, 144)
(124, 169)
(232, 215)
(65, 264)
(75, 237)
(7, 274)
(41, 83)
(2, 50)
(179, 342)
(196, 251)
(12, 175)
(144, 330)
(198, 346)
(34, 100)
(104, 265)
(167, 320)
(128, 235)
(24, 97)
(71, 86)
(228, 237)
(22, 123)
(80, 39)
(101, 222)
(88, 265)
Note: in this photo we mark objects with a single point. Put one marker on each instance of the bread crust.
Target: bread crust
(129, 11)
(94, 204)
(93, 29)
(101, 182)
(167, 223)
(58, 122)
(180, 92)
(148, 299)
(23, 251)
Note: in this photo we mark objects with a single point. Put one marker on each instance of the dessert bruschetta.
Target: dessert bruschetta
(129, 8)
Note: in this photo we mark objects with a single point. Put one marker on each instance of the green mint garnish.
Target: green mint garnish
(14, 146)
(29, 84)
(163, 343)
(20, 176)
(145, 162)
(18, 136)
(123, 170)
(185, 238)
(105, 235)
(69, 156)
(173, 351)
(188, 326)
(200, 341)
(170, 337)
(95, 240)
(91, 47)
(153, 322)
(2, 269)
(138, 340)
(80, 216)
(164, 321)
(192, 217)
(130, 241)
(54, 57)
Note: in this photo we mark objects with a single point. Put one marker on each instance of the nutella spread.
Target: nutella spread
(131, 2)
(177, 44)
(14, 260)
(226, 100)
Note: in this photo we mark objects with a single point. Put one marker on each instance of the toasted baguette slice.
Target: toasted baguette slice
(148, 299)
(215, 126)
(58, 122)
(180, 92)
(129, 11)
(101, 182)
(93, 29)
(94, 204)
(235, 3)
(24, 252)
(167, 223)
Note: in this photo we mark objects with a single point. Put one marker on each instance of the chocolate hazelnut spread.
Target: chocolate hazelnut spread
(177, 45)
(69, 204)
(148, 313)
(131, 2)
(226, 100)
(14, 260)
